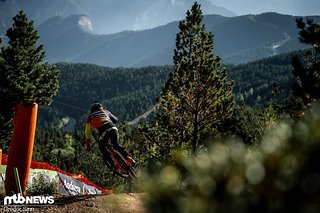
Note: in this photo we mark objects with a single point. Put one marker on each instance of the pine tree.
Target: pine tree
(197, 97)
(25, 77)
(307, 71)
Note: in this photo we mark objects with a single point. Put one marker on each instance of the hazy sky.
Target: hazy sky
(292, 7)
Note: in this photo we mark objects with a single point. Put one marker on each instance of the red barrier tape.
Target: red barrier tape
(41, 165)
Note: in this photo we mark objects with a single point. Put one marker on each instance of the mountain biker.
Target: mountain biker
(104, 121)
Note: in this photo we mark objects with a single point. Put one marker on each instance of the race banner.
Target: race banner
(71, 186)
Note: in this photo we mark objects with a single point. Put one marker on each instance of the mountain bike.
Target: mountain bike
(123, 167)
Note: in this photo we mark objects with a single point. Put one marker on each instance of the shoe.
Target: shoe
(119, 173)
(130, 161)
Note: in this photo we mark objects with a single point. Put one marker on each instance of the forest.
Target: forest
(129, 92)
(222, 137)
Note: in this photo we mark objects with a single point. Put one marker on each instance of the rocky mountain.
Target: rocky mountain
(237, 40)
(107, 16)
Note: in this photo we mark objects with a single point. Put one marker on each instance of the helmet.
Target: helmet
(95, 107)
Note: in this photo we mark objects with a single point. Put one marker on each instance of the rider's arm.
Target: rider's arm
(88, 132)
(113, 117)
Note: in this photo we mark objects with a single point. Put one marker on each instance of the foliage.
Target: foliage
(255, 81)
(307, 71)
(56, 147)
(24, 77)
(42, 185)
(197, 97)
(250, 124)
(280, 175)
(127, 92)
(66, 151)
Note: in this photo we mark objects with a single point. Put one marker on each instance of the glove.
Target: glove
(88, 144)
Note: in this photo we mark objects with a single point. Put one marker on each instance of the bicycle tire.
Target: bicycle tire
(132, 173)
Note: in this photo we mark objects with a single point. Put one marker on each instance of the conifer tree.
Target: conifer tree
(197, 97)
(25, 77)
(307, 71)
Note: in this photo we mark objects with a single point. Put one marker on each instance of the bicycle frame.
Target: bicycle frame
(120, 162)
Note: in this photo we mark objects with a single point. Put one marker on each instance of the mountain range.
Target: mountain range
(290, 7)
(68, 32)
(108, 16)
(237, 39)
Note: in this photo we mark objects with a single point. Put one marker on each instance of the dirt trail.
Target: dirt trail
(117, 203)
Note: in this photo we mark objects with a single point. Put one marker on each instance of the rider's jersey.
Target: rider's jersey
(102, 120)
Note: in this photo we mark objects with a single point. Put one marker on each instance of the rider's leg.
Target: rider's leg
(106, 158)
(114, 137)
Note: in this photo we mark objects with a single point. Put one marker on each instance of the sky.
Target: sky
(291, 7)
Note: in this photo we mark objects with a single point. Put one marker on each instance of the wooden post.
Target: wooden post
(16, 177)
(21, 146)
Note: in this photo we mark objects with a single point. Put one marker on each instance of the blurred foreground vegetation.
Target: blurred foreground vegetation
(282, 174)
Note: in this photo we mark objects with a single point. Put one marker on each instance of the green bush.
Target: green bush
(41, 184)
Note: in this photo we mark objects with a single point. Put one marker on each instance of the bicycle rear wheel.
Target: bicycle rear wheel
(124, 166)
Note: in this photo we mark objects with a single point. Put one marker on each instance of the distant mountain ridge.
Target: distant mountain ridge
(107, 16)
(72, 38)
(290, 7)
(236, 39)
